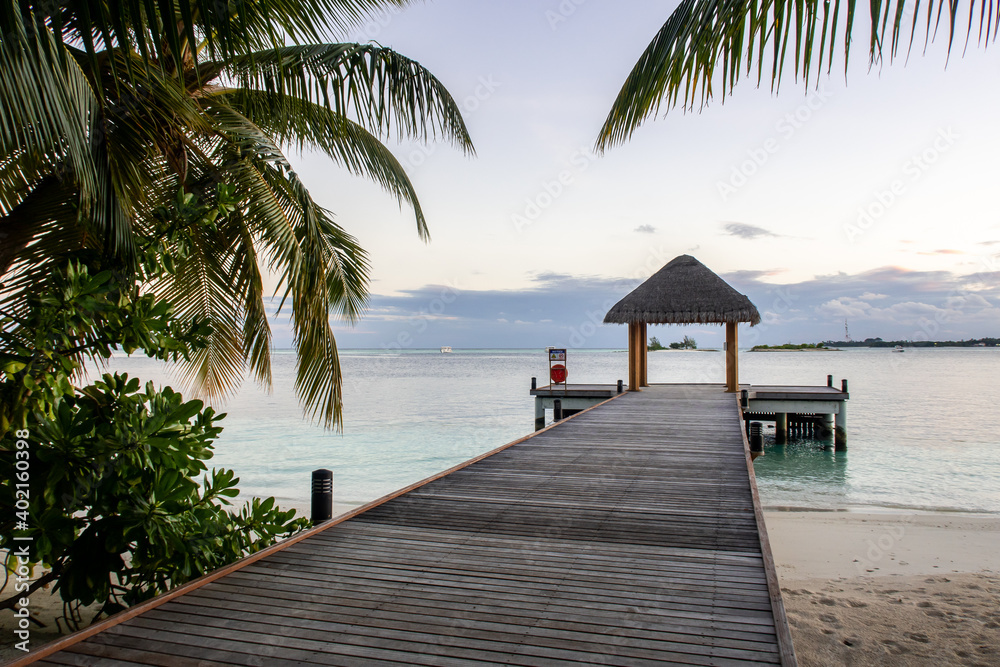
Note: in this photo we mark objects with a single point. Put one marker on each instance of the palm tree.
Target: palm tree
(747, 37)
(110, 109)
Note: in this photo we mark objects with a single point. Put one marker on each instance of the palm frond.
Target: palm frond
(167, 34)
(322, 270)
(202, 288)
(50, 215)
(47, 101)
(737, 37)
(379, 88)
(303, 124)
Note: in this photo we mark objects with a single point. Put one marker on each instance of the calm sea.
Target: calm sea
(924, 425)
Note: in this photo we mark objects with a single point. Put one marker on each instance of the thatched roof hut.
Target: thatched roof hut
(685, 291)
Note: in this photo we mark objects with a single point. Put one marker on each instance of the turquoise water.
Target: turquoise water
(924, 425)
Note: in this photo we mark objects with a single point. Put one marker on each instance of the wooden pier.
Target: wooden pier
(629, 534)
(818, 412)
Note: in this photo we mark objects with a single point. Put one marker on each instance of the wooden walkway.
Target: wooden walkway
(629, 534)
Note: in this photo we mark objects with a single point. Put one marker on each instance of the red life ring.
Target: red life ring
(558, 373)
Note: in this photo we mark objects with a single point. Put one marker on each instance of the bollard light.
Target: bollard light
(322, 496)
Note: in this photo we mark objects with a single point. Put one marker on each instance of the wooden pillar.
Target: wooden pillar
(633, 357)
(840, 421)
(643, 355)
(780, 428)
(732, 358)
(824, 430)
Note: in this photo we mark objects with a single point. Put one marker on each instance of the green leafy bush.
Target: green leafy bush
(119, 504)
(116, 511)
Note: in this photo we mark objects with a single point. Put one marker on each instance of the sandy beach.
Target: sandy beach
(889, 589)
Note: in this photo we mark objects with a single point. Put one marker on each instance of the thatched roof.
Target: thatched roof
(685, 291)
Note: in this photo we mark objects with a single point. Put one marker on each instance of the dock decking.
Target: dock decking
(627, 535)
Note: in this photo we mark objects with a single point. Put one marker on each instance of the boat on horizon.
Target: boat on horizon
(446, 349)
(899, 348)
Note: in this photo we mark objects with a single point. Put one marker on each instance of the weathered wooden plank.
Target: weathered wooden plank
(437, 620)
(628, 534)
(624, 619)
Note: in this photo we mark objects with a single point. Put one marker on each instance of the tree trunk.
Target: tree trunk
(19, 227)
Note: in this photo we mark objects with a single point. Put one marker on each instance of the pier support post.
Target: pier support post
(322, 496)
(840, 436)
(825, 428)
(643, 357)
(781, 428)
(539, 413)
(557, 411)
(633, 357)
(732, 358)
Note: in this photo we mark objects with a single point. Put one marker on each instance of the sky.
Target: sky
(868, 198)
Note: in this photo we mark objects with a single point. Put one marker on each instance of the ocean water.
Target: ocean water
(924, 426)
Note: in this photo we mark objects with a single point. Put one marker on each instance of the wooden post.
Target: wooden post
(633, 357)
(780, 428)
(644, 354)
(539, 413)
(732, 358)
(840, 435)
(825, 427)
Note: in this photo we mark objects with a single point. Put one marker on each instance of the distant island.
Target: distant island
(802, 347)
(878, 342)
(687, 344)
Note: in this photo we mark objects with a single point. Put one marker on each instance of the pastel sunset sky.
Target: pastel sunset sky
(869, 197)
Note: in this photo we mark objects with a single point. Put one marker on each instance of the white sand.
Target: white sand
(890, 589)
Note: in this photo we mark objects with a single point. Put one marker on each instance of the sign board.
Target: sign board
(557, 366)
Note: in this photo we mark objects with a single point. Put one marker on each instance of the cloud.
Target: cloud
(748, 275)
(944, 251)
(891, 302)
(748, 232)
(646, 229)
(562, 309)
